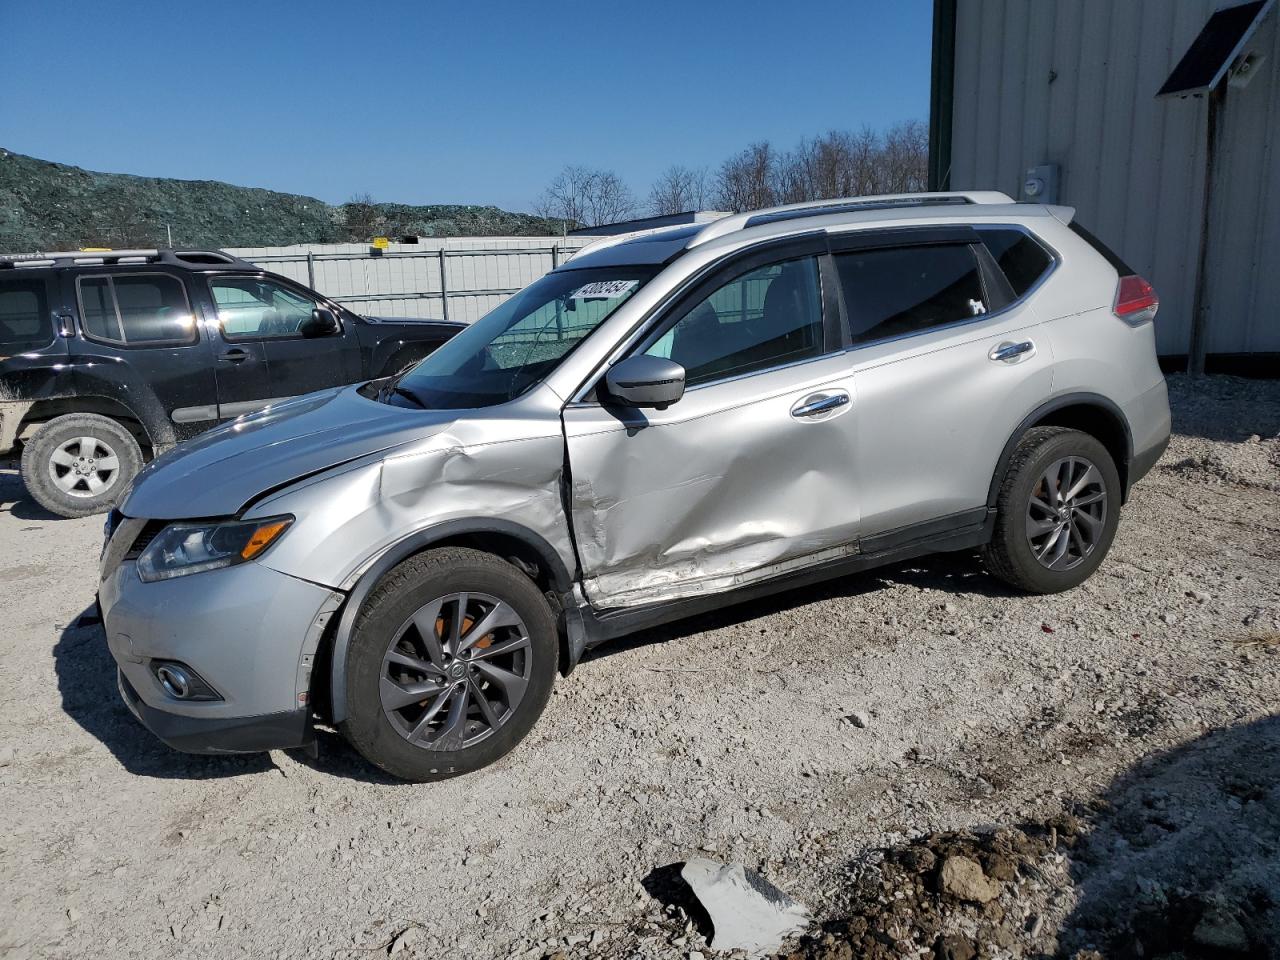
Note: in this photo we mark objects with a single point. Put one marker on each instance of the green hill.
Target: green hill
(51, 206)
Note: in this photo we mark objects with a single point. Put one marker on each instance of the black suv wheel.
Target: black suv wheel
(1057, 511)
(451, 663)
(78, 464)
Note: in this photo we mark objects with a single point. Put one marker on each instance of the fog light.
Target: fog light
(181, 682)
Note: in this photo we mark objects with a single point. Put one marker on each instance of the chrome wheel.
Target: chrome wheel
(1067, 513)
(455, 671)
(84, 467)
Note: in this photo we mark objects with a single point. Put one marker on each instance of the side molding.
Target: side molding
(402, 550)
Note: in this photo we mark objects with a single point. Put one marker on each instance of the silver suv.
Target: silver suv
(671, 421)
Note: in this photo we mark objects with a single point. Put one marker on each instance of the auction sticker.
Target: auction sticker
(603, 290)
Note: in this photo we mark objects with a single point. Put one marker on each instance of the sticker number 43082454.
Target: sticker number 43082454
(603, 290)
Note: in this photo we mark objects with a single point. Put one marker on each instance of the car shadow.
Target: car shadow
(959, 572)
(1183, 856)
(15, 500)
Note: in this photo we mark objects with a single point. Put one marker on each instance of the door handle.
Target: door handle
(812, 408)
(235, 355)
(1009, 352)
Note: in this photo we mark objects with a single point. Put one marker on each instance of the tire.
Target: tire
(391, 661)
(1027, 549)
(79, 464)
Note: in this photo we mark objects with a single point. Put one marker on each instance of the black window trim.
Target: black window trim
(319, 301)
(125, 344)
(996, 289)
(706, 282)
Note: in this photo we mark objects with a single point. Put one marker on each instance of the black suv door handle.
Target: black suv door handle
(235, 355)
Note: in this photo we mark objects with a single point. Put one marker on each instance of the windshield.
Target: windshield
(514, 346)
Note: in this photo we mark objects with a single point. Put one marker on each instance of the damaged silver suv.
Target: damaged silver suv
(670, 421)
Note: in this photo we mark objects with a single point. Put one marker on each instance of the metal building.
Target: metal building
(1056, 100)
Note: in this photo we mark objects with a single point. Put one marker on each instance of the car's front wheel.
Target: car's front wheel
(78, 464)
(451, 663)
(1057, 512)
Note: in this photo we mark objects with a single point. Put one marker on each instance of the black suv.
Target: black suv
(108, 358)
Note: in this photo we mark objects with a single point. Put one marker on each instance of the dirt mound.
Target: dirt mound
(959, 895)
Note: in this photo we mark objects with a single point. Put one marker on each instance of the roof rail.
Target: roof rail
(109, 257)
(818, 208)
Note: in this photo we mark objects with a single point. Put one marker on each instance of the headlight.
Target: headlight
(183, 548)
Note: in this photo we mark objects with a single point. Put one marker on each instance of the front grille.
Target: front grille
(143, 540)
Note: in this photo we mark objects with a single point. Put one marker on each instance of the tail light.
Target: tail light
(1136, 301)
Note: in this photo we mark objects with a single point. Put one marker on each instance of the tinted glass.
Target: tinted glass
(903, 290)
(768, 317)
(252, 309)
(154, 309)
(25, 322)
(1022, 259)
(98, 310)
(136, 309)
(518, 343)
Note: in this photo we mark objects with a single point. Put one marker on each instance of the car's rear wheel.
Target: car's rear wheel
(79, 464)
(451, 663)
(1057, 511)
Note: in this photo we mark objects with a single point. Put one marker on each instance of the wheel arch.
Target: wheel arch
(506, 539)
(42, 411)
(1089, 413)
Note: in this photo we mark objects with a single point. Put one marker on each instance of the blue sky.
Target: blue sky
(445, 103)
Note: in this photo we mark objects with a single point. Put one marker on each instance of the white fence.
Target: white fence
(454, 278)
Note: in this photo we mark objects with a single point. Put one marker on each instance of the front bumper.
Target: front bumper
(275, 731)
(249, 632)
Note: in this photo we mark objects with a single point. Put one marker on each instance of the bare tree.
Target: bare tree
(905, 157)
(746, 181)
(580, 195)
(678, 189)
(361, 217)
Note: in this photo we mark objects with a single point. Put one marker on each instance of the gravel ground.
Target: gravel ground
(1140, 702)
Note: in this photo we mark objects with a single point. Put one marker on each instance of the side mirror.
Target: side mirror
(644, 381)
(321, 323)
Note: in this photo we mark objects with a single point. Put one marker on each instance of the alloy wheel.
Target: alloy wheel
(455, 671)
(84, 467)
(1067, 513)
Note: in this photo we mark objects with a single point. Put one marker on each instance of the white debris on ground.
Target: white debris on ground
(1139, 704)
(746, 911)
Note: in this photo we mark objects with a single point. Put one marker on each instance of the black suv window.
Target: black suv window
(25, 322)
(136, 309)
(767, 317)
(895, 291)
(250, 308)
(1021, 258)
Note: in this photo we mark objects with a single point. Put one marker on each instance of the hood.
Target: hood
(448, 327)
(219, 472)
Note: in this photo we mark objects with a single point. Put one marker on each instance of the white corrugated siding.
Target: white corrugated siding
(359, 282)
(1073, 83)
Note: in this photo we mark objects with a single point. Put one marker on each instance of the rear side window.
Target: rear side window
(1022, 260)
(25, 322)
(898, 291)
(136, 309)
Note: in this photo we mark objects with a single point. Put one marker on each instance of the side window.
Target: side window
(1021, 258)
(136, 309)
(897, 291)
(250, 308)
(25, 322)
(764, 318)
